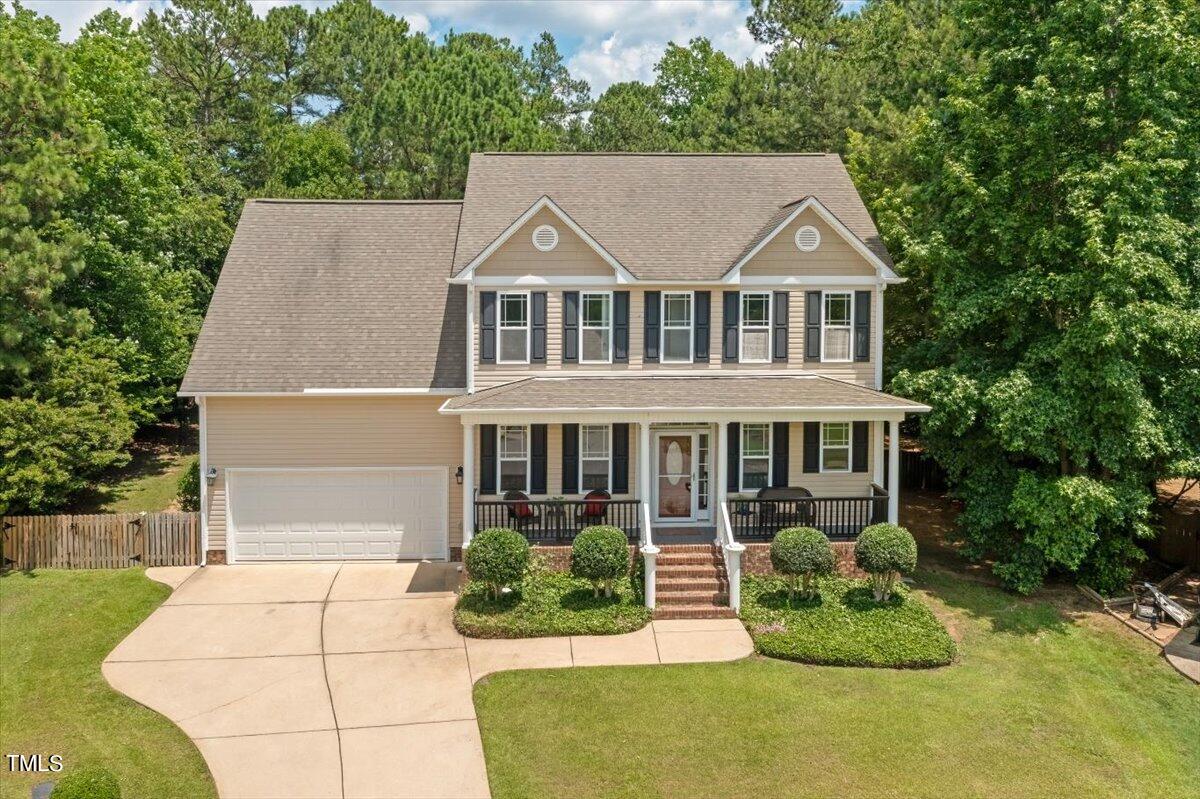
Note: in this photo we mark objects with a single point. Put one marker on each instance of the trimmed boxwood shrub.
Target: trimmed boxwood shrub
(600, 554)
(497, 557)
(801, 554)
(87, 783)
(885, 551)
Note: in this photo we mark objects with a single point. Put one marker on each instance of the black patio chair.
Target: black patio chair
(595, 507)
(521, 513)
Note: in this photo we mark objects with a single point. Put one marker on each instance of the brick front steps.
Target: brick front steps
(692, 583)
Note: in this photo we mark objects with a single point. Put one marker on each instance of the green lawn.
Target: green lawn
(549, 603)
(843, 625)
(1046, 700)
(57, 627)
(149, 482)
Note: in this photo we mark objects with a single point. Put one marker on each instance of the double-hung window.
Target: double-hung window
(837, 325)
(595, 456)
(677, 327)
(514, 328)
(756, 327)
(835, 447)
(595, 327)
(513, 461)
(756, 456)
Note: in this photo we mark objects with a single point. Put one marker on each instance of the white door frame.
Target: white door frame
(694, 513)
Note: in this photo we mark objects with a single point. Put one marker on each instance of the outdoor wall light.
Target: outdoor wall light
(211, 474)
(458, 475)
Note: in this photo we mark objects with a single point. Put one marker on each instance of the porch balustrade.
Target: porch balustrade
(552, 521)
(839, 518)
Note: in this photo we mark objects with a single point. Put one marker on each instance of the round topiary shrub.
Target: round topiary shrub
(497, 557)
(600, 554)
(885, 551)
(87, 783)
(801, 554)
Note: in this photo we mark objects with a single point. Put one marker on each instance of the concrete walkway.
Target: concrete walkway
(347, 681)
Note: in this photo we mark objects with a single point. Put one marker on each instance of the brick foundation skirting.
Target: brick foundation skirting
(215, 557)
(757, 559)
(558, 557)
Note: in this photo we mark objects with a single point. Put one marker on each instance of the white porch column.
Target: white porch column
(877, 453)
(468, 484)
(643, 461)
(894, 471)
(720, 452)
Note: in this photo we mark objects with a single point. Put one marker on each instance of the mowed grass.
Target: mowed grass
(56, 627)
(1046, 699)
(149, 482)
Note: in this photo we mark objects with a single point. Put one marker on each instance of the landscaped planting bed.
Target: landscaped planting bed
(843, 625)
(549, 603)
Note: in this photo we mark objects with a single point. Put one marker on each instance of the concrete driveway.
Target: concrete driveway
(347, 681)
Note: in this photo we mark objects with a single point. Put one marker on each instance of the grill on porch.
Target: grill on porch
(839, 518)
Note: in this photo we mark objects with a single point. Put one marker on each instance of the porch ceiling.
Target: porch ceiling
(685, 398)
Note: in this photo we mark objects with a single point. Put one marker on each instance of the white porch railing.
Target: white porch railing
(732, 552)
(649, 554)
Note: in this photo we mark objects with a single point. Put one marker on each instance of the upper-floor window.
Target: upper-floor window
(595, 456)
(756, 327)
(512, 464)
(756, 456)
(514, 328)
(835, 447)
(677, 327)
(595, 328)
(837, 325)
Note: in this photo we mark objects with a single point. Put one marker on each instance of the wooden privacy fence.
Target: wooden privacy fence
(100, 541)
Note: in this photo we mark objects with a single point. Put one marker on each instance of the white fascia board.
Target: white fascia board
(544, 280)
(698, 415)
(467, 275)
(734, 275)
(811, 280)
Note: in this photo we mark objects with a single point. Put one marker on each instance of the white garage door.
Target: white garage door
(338, 514)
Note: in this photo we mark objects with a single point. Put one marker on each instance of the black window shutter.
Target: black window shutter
(733, 457)
(862, 325)
(812, 326)
(730, 314)
(779, 333)
(653, 301)
(487, 327)
(537, 345)
(779, 454)
(620, 327)
(858, 446)
(487, 459)
(537, 459)
(620, 458)
(702, 327)
(570, 458)
(812, 447)
(570, 342)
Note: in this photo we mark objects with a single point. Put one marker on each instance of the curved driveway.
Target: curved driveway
(345, 681)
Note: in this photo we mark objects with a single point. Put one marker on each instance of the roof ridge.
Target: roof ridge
(660, 154)
(307, 201)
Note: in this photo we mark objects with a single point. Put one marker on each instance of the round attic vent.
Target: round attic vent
(808, 238)
(545, 238)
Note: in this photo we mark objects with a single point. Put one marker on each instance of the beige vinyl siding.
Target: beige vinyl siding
(861, 372)
(329, 432)
(843, 484)
(834, 255)
(517, 257)
(554, 464)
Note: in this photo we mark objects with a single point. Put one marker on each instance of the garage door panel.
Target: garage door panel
(352, 514)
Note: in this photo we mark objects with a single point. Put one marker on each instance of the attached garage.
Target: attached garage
(378, 513)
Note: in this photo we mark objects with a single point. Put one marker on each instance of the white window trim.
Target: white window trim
(611, 323)
(742, 327)
(500, 459)
(849, 448)
(825, 293)
(579, 482)
(742, 454)
(691, 327)
(500, 323)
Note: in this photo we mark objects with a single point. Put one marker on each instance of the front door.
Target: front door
(675, 496)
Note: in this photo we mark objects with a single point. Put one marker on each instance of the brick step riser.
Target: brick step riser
(712, 584)
(689, 560)
(699, 612)
(693, 598)
(691, 573)
(670, 549)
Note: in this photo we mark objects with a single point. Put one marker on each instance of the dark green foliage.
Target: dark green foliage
(885, 551)
(87, 783)
(549, 603)
(800, 554)
(498, 558)
(189, 486)
(843, 626)
(600, 554)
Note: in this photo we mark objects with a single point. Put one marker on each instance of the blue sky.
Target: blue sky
(605, 41)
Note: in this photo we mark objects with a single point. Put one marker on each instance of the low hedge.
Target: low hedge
(498, 558)
(843, 626)
(600, 554)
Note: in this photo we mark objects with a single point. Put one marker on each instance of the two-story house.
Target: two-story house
(688, 347)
